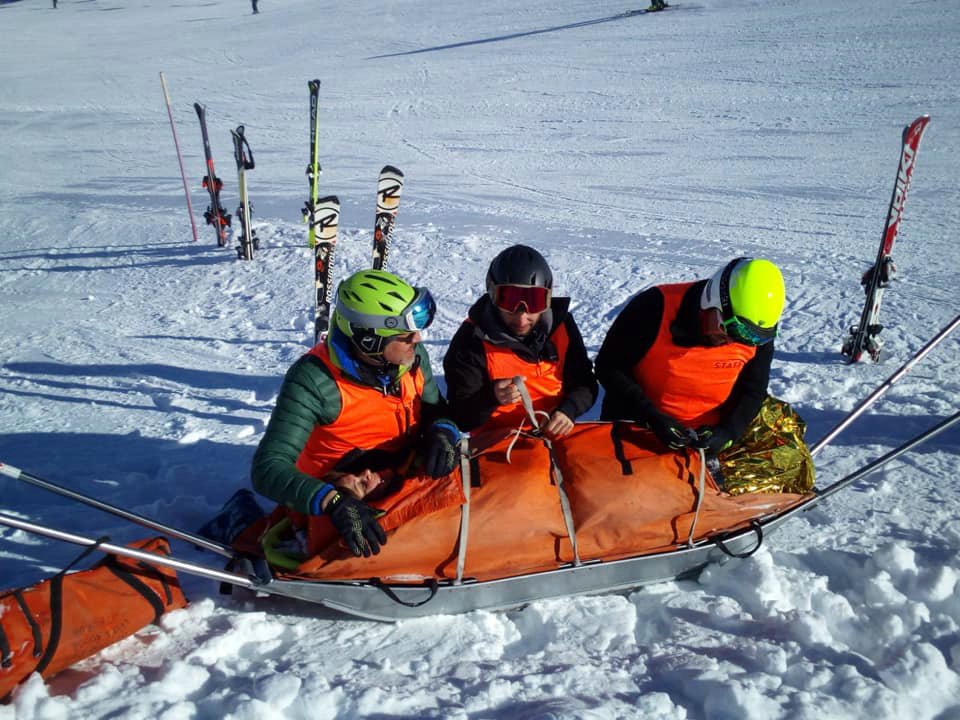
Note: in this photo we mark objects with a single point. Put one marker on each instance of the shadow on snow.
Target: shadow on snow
(512, 36)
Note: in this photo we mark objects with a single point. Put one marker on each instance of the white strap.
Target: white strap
(703, 482)
(465, 507)
(557, 475)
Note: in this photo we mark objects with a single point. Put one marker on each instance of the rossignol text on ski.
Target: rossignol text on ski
(323, 224)
(215, 215)
(866, 335)
(313, 167)
(389, 186)
(244, 157)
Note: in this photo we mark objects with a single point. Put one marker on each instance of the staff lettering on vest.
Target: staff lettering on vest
(689, 383)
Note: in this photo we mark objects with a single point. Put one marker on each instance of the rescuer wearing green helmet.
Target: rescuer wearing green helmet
(691, 361)
(362, 400)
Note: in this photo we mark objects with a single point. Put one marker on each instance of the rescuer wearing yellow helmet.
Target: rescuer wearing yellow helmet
(691, 361)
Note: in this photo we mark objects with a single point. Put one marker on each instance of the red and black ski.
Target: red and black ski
(215, 215)
(866, 335)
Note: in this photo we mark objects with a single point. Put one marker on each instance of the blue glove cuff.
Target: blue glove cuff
(316, 502)
(449, 427)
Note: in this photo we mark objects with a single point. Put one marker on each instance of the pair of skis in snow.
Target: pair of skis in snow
(865, 336)
(323, 216)
(216, 215)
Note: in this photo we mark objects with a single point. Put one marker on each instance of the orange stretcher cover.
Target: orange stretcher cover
(55, 623)
(628, 497)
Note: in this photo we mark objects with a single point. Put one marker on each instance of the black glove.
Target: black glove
(441, 449)
(671, 432)
(357, 525)
(713, 438)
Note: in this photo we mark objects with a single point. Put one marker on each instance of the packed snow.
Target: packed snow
(140, 367)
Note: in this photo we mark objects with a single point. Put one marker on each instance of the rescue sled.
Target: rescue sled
(523, 519)
(602, 525)
(377, 599)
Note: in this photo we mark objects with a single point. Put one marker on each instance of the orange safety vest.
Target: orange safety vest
(544, 379)
(368, 419)
(689, 383)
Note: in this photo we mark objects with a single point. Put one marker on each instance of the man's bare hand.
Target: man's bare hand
(558, 425)
(506, 392)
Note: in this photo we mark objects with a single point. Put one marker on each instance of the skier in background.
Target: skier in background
(364, 400)
(691, 361)
(519, 328)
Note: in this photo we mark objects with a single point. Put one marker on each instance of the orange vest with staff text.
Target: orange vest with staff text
(544, 379)
(368, 419)
(689, 383)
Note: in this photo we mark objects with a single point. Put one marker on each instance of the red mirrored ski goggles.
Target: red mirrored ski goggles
(511, 298)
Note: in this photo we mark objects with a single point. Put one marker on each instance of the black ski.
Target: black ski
(215, 215)
(389, 186)
(323, 226)
(866, 335)
(244, 157)
(313, 167)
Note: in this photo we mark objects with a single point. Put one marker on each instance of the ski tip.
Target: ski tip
(392, 169)
(329, 199)
(10, 471)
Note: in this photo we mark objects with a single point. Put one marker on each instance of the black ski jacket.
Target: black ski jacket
(633, 334)
(469, 387)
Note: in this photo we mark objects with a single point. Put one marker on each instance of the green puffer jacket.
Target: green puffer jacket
(309, 397)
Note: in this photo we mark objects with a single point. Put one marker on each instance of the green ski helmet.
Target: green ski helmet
(375, 305)
(750, 294)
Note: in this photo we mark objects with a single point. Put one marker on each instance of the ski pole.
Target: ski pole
(886, 385)
(147, 557)
(881, 461)
(18, 474)
(176, 142)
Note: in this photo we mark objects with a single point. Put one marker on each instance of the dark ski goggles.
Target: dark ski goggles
(743, 331)
(511, 298)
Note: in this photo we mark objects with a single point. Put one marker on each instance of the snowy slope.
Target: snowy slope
(141, 367)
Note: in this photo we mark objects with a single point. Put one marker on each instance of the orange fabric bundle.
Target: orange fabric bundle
(515, 525)
(48, 627)
(628, 497)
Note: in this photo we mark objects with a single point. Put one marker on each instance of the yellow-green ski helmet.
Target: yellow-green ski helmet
(750, 294)
(374, 305)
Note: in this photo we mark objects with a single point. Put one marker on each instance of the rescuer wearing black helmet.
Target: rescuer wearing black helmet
(518, 328)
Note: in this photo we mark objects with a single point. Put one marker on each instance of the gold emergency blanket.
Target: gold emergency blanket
(771, 456)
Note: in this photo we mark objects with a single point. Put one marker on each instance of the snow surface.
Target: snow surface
(140, 367)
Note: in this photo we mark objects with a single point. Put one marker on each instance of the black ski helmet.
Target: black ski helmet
(518, 265)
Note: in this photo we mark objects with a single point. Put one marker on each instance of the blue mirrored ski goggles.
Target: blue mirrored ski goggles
(414, 317)
(419, 314)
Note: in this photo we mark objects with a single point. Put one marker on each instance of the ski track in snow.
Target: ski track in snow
(141, 368)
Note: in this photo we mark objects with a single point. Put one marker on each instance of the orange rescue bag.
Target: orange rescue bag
(48, 627)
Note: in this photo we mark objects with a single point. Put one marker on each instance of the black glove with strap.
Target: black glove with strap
(357, 524)
(713, 438)
(670, 431)
(441, 449)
